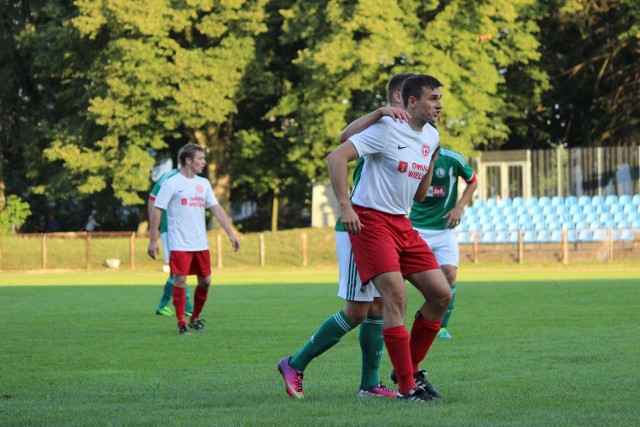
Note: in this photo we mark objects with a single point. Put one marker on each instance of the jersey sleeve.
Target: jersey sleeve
(372, 139)
(164, 195)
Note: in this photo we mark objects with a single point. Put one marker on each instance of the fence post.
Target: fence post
(87, 250)
(43, 251)
(132, 250)
(219, 250)
(520, 246)
(261, 237)
(305, 259)
(475, 246)
(565, 247)
(610, 243)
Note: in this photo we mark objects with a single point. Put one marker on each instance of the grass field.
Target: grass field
(541, 345)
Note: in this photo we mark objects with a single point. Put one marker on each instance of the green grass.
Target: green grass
(537, 346)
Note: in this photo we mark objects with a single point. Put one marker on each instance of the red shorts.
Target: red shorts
(190, 263)
(389, 243)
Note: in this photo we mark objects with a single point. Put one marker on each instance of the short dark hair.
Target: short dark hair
(413, 86)
(395, 84)
(188, 151)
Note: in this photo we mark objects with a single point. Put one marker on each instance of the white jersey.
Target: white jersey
(185, 200)
(398, 157)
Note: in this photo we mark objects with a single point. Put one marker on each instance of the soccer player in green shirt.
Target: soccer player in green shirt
(437, 215)
(167, 292)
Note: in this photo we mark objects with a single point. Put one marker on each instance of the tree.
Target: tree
(13, 213)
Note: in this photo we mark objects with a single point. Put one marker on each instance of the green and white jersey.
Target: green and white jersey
(154, 192)
(356, 177)
(443, 193)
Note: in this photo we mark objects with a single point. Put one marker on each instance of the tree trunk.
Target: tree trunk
(216, 141)
(274, 210)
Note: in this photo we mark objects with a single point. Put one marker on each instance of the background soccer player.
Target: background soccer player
(185, 196)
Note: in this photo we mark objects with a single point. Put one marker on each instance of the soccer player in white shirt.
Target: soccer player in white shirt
(386, 248)
(185, 196)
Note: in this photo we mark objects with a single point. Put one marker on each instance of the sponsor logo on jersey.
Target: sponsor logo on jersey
(199, 188)
(403, 166)
(425, 150)
(440, 173)
(183, 202)
(437, 191)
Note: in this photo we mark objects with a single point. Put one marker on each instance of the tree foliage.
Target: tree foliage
(95, 93)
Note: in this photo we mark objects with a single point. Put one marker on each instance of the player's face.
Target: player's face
(197, 163)
(428, 107)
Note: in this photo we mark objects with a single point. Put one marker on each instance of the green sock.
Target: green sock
(188, 308)
(372, 346)
(447, 315)
(327, 335)
(167, 293)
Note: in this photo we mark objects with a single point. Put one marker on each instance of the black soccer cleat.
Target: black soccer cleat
(417, 394)
(420, 378)
(197, 324)
(182, 330)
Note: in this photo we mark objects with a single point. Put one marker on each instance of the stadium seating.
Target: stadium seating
(543, 219)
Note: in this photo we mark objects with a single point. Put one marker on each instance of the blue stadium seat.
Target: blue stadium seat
(557, 201)
(487, 226)
(499, 226)
(570, 200)
(521, 210)
(632, 216)
(540, 225)
(482, 210)
(513, 226)
(502, 237)
(484, 219)
(596, 225)
(624, 199)
(491, 202)
(584, 235)
(584, 200)
(636, 199)
(597, 200)
(605, 217)
(508, 210)
(504, 202)
(554, 226)
(517, 201)
(531, 201)
(611, 199)
(572, 235)
(548, 209)
(599, 235)
(513, 236)
(544, 201)
(529, 236)
(636, 224)
(487, 237)
(473, 226)
(629, 208)
(495, 210)
(588, 209)
(623, 224)
(478, 202)
(464, 237)
(582, 225)
(542, 236)
(574, 209)
(561, 210)
(591, 217)
(615, 208)
(555, 236)
(626, 235)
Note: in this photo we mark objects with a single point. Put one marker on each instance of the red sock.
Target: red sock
(423, 332)
(199, 298)
(396, 339)
(179, 303)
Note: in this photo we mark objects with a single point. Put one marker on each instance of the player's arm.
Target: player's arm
(338, 170)
(221, 216)
(361, 123)
(425, 183)
(154, 232)
(455, 214)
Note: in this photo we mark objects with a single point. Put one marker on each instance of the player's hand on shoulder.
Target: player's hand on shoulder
(397, 114)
